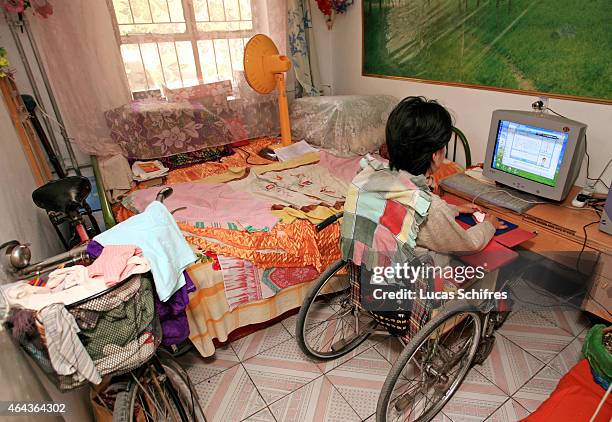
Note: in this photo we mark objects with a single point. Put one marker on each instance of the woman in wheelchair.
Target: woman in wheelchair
(417, 133)
(391, 218)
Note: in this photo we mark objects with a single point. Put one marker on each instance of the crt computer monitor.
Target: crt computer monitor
(535, 152)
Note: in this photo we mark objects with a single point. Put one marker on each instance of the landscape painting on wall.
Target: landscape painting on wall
(559, 48)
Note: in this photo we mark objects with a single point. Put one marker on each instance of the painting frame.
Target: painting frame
(532, 93)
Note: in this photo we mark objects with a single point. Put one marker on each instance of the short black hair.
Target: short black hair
(416, 128)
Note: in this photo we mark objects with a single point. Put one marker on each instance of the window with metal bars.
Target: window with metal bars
(180, 43)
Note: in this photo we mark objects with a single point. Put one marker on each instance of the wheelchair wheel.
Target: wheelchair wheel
(432, 366)
(329, 325)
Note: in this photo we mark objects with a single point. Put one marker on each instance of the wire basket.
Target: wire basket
(119, 330)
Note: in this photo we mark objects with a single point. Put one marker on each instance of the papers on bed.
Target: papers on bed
(294, 150)
(301, 186)
(147, 170)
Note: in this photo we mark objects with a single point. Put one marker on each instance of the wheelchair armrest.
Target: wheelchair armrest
(328, 221)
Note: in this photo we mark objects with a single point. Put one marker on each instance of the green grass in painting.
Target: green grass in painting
(556, 46)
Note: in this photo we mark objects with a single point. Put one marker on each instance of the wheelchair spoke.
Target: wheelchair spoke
(329, 324)
(433, 368)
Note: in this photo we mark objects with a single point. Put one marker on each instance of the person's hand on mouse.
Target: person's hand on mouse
(495, 221)
(468, 208)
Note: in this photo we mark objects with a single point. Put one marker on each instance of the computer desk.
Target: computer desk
(560, 237)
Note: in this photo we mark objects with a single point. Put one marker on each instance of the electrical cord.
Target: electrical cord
(580, 257)
(599, 178)
(589, 207)
(584, 243)
(249, 155)
(586, 153)
(507, 193)
(42, 111)
(545, 292)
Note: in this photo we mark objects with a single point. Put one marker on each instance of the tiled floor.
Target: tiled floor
(265, 377)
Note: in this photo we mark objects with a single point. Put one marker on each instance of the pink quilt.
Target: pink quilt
(211, 205)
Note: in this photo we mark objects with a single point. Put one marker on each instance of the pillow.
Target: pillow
(346, 124)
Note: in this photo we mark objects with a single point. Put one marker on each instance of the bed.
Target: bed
(257, 249)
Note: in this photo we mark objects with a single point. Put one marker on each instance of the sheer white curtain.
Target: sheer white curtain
(83, 62)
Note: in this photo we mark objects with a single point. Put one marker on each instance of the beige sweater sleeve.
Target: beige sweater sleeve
(441, 233)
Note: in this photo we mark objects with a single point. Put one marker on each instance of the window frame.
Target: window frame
(191, 34)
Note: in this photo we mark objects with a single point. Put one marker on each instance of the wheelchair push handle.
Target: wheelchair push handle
(163, 194)
(328, 221)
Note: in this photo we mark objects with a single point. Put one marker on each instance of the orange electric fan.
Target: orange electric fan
(264, 69)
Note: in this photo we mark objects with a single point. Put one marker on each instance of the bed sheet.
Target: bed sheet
(209, 313)
(212, 312)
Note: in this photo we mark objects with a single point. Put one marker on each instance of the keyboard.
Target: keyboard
(500, 196)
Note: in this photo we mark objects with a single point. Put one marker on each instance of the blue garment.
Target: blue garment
(156, 233)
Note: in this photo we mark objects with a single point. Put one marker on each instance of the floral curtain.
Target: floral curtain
(301, 47)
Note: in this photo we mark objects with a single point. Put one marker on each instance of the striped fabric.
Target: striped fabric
(66, 352)
(242, 280)
(211, 318)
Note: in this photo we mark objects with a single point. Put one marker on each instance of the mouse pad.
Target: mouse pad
(469, 220)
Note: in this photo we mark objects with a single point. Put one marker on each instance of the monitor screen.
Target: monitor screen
(530, 152)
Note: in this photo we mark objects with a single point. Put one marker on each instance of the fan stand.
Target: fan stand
(285, 126)
(264, 69)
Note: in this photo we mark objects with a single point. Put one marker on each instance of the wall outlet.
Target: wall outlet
(590, 185)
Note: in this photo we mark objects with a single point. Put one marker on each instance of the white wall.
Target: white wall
(471, 108)
(323, 45)
(25, 87)
(20, 219)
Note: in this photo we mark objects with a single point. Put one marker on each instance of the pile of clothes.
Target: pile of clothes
(86, 322)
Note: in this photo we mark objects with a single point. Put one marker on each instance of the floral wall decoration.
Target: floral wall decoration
(331, 8)
(5, 69)
(40, 8)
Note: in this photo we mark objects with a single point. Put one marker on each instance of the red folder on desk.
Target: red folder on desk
(497, 253)
(514, 237)
(492, 257)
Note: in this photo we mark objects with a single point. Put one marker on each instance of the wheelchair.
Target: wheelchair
(440, 346)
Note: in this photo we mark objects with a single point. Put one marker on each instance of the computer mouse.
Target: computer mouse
(268, 154)
(479, 216)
